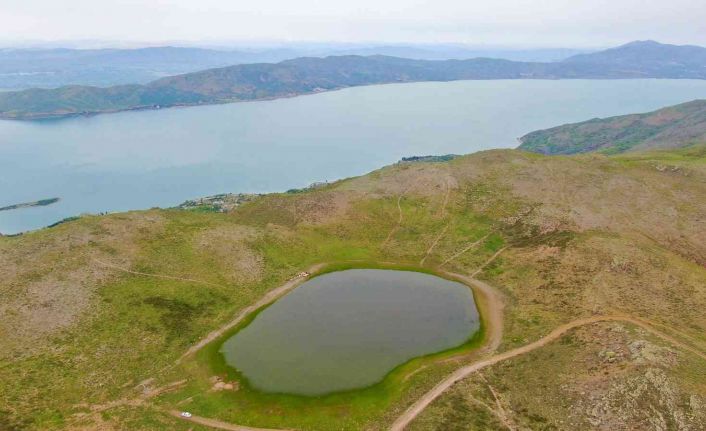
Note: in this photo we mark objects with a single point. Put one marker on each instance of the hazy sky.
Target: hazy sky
(555, 23)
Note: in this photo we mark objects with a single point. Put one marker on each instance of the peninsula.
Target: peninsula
(307, 75)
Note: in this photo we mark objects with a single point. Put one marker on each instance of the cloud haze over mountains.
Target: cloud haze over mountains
(578, 23)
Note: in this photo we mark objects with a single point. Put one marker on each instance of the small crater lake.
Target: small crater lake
(348, 329)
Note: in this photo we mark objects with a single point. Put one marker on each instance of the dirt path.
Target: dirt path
(213, 423)
(491, 306)
(490, 409)
(464, 249)
(488, 262)
(97, 409)
(500, 413)
(433, 244)
(490, 302)
(446, 198)
(410, 414)
(681, 334)
(147, 274)
(443, 231)
(266, 299)
(399, 220)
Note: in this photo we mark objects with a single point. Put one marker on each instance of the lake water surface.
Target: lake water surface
(348, 329)
(135, 160)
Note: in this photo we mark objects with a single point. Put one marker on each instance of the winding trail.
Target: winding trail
(490, 302)
(147, 274)
(213, 423)
(492, 307)
(413, 411)
(443, 231)
(269, 297)
(490, 409)
(488, 262)
(144, 398)
(399, 220)
(446, 198)
(500, 413)
(464, 249)
(433, 244)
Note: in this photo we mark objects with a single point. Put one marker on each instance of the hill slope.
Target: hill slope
(670, 127)
(94, 313)
(310, 75)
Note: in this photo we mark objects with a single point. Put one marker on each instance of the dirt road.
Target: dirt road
(492, 305)
(410, 414)
(488, 297)
(213, 423)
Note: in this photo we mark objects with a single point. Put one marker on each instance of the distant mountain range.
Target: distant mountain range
(672, 127)
(56, 67)
(311, 75)
(24, 68)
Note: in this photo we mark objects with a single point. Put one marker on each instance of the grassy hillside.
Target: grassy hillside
(672, 127)
(311, 75)
(94, 313)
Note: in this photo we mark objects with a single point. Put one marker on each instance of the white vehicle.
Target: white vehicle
(185, 415)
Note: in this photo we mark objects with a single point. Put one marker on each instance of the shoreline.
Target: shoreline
(87, 114)
(486, 338)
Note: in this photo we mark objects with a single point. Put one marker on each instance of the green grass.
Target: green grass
(343, 245)
(149, 322)
(135, 327)
(348, 409)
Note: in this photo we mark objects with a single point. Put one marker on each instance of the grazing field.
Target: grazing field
(97, 313)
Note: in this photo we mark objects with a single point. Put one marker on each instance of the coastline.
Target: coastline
(29, 117)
